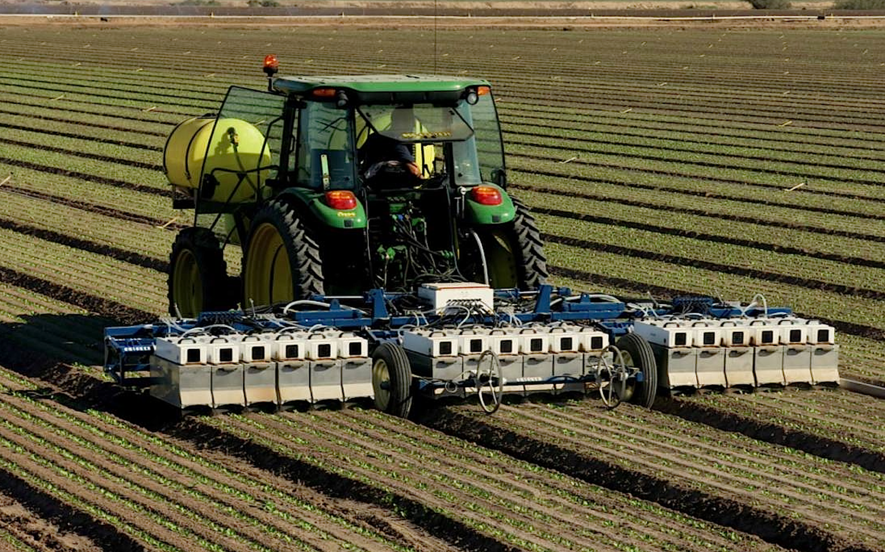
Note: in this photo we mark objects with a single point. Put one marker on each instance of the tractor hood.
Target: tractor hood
(379, 89)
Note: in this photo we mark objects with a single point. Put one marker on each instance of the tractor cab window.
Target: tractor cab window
(463, 139)
(325, 150)
(484, 150)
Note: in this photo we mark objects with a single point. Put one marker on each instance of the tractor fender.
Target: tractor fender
(313, 201)
(478, 214)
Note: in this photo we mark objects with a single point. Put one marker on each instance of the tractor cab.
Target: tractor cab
(337, 185)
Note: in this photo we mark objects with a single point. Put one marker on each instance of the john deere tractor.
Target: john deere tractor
(337, 185)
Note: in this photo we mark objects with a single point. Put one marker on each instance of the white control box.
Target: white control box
(256, 348)
(432, 343)
(820, 334)
(504, 341)
(221, 351)
(289, 346)
(352, 346)
(186, 351)
(593, 340)
(321, 347)
(442, 294)
(667, 334)
(564, 340)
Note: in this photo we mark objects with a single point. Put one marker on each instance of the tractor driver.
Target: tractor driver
(382, 154)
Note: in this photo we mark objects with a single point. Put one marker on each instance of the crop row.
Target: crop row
(842, 502)
(178, 499)
(764, 265)
(515, 501)
(850, 418)
(810, 302)
(509, 500)
(586, 164)
(619, 92)
(525, 110)
(603, 202)
(185, 67)
(92, 273)
(601, 83)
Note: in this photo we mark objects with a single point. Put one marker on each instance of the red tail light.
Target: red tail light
(486, 195)
(342, 200)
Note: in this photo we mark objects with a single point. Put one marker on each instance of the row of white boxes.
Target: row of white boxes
(275, 368)
(531, 358)
(742, 352)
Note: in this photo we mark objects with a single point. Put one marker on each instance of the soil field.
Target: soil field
(666, 161)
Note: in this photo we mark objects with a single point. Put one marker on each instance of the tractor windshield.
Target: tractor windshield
(418, 123)
(427, 134)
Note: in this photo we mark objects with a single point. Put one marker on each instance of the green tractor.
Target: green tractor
(337, 185)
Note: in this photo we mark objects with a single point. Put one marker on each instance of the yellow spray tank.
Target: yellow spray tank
(236, 146)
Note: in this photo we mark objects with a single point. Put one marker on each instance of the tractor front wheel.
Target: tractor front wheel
(281, 262)
(198, 279)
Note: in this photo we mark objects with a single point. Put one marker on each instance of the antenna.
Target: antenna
(435, 2)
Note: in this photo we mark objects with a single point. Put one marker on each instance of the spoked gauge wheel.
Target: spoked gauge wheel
(630, 351)
(611, 376)
(489, 383)
(282, 262)
(198, 279)
(392, 380)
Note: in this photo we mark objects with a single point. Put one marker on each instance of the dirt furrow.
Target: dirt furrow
(452, 476)
(597, 505)
(708, 460)
(380, 472)
(90, 207)
(222, 477)
(736, 270)
(203, 495)
(626, 471)
(40, 533)
(190, 518)
(831, 446)
(99, 498)
(116, 253)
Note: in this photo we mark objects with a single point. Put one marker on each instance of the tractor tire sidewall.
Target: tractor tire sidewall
(303, 252)
(206, 250)
(400, 372)
(528, 248)
(641, 352)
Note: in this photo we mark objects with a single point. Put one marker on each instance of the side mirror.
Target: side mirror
(500, 177)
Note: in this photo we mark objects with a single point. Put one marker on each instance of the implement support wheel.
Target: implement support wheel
(638, 353)
(198, 279)
(392, 380)
(281, 262)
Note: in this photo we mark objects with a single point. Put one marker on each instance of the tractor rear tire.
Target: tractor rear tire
(530, 257)
(639, 353)
(281, 262)
(392, 380)
(514, 253)
(198, 279)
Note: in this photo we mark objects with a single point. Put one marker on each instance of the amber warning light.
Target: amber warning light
(271, 65)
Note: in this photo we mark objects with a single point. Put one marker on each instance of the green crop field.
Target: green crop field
(665, 161)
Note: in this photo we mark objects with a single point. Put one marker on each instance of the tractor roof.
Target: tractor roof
(380, 88)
